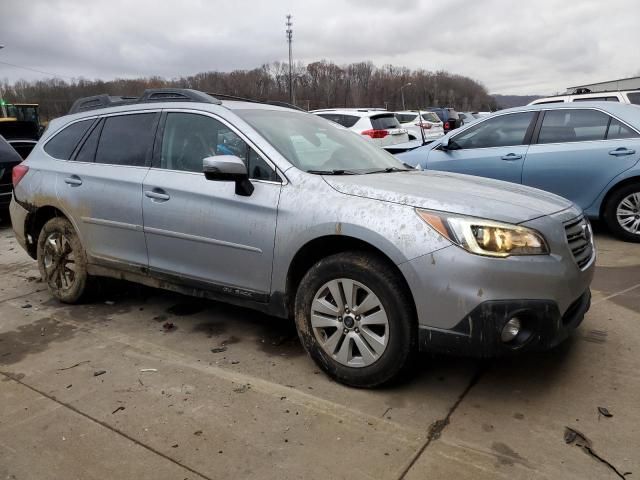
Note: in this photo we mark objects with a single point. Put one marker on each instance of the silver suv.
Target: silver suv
(281, 211)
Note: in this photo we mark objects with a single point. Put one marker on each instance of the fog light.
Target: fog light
(511, 330)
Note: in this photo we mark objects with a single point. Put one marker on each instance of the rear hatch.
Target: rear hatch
(386, 130)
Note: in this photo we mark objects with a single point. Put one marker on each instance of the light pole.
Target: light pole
(289, 32)
(402, 93)
(3, 111)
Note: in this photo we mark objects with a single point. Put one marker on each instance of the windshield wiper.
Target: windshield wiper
(390, 170)
(332, 172)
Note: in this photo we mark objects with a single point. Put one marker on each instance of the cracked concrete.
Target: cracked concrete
(229, 393)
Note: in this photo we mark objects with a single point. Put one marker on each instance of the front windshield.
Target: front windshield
(316, 145)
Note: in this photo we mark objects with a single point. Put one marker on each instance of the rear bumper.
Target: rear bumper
(18, 222)
(478, 333)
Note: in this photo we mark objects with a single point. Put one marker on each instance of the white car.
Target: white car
(621, 96)
(376, 124)
(431, 125)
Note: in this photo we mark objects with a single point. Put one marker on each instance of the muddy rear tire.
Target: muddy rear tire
(62, 261)
(355, 318)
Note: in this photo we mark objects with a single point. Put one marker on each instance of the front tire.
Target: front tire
(62, 261)
(355, 319)
(622, 213)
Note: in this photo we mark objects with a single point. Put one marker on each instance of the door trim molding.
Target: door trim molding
(198, 238)
(112, 223)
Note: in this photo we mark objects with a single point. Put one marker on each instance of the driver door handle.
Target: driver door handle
(619, 152)
(511, 156)
(157, 194)
(73, 180)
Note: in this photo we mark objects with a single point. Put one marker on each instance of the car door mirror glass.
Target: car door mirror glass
(228, 168)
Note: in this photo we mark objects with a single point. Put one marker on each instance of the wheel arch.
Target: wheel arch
(34, 222)
(321, 247)
(614, 188)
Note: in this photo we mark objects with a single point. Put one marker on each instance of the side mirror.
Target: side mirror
(444, 145)
(228, 168)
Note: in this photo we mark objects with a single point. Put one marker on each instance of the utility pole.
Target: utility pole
(289, 32)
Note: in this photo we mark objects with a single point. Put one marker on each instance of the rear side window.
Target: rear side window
(384, 122)
(618, 129)
(64, 143)
(127, 140)
(573, 126)
(502, 131)
(87, 152)
(596, 99)
(430, 117)
(348, 120)
(634, 98)
(405, 118)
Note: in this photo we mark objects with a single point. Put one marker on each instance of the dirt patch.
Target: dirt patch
(32, 338)
(506, 455)
(187, 308)
(279, 337)
(211, 329)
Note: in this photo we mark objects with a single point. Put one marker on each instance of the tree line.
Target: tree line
(321, 84)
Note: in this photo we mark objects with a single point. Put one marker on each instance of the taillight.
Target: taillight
(425, 126)
(375, 133)
(17, 173)
(446, 125)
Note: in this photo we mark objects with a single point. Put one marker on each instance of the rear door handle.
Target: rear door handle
(73, 180)
(511, 156)
(157, 194)
(619, 152)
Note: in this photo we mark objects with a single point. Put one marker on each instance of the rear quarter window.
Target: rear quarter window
(384, 122)
(634, 97)
(64, 142)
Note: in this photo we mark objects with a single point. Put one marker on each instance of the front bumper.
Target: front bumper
(478, 334)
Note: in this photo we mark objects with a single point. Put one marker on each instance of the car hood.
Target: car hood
(453, 193)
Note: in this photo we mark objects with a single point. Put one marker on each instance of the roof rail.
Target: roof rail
(149, 96)
(276, 103)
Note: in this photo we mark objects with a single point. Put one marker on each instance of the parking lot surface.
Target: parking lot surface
(147, 384)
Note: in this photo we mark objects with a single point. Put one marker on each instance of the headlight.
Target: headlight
(486, 237)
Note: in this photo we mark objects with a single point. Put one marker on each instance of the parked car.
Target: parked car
(375, 124)
(449, 117)
(23, 147)
(431, 125)
(585, 152)
(281, 211)
(9, 158)
(466, 118)
(621, 96)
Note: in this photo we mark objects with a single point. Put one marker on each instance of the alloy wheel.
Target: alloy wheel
(349, 322)
(628, 213)
(59, 261)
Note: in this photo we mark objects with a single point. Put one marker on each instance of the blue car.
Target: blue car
(586, 152)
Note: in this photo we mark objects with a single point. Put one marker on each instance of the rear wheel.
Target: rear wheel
(622, 213)
(62, 261)
(355, 319)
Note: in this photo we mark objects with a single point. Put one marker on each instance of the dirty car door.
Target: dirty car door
(102, 188)
(201, 231)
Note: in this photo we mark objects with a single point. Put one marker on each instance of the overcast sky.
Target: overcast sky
(511, 46)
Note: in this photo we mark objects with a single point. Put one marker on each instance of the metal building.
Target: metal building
(630, 83)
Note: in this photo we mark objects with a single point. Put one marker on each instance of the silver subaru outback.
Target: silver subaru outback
(284, 212)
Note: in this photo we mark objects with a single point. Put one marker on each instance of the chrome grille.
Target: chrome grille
(579, 238)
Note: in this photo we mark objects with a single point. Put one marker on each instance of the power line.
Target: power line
(35, 70)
